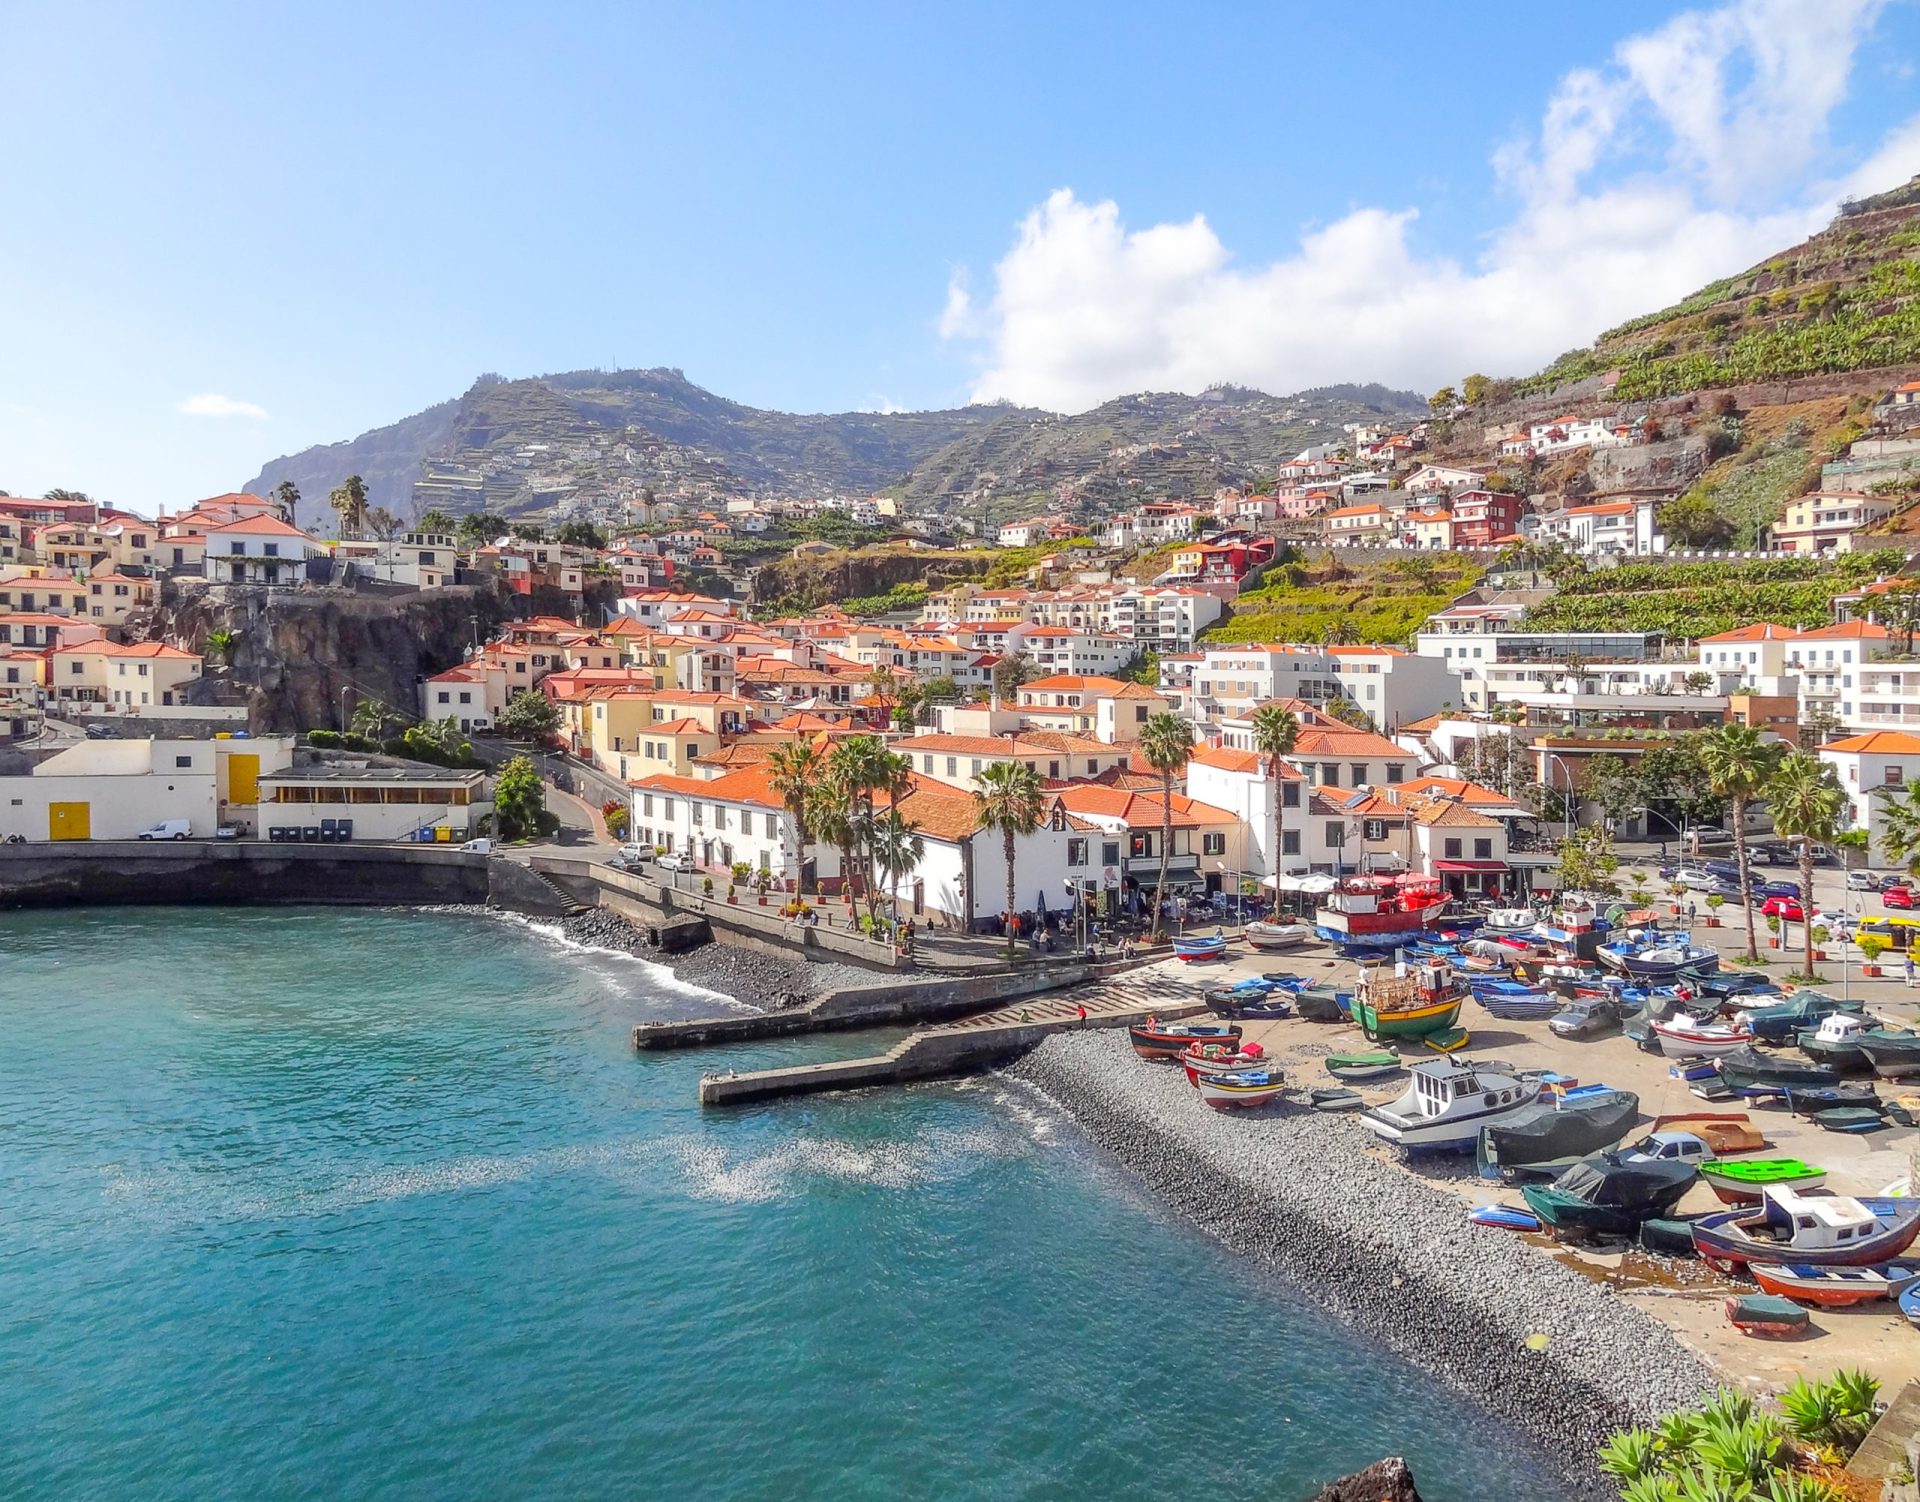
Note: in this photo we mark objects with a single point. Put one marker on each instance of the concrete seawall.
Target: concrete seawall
(240, 873)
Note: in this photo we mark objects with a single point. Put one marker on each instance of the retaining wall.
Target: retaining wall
(237, 872)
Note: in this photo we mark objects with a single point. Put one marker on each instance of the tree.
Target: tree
(1587, 861)
(529, 715)
(1738, 764)
(581, 534)
(884, 685)
(1698, 683)
(1819, 726)
(477, 528)
(383, 524)
(1900, 824)
(76, 497)
(1807, 803)
(1166, 741)
(221, 642)
(903, 719)
(865, 768)
(373, 720)
(792, 768)
(1275, 733)
(1473, 390)
(1009, 673)
(349, 502)
(942, 690)
(1347, 712)
(897, 849)
(437, 523)
(1009, 801)
(1614, 784)
(528, 531)
(1898, 609)
(288, 494)
(830, 814)
(1443, 401)
(519, 799)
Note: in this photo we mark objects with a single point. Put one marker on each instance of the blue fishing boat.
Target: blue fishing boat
(1514, 1002)
(1190, 949)
(1504, 1218)
(1909, 1301)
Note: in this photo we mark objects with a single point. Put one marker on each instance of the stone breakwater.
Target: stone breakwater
(1374, 1246)
(752, 977)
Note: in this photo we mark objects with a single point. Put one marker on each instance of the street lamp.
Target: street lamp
(1553, 758)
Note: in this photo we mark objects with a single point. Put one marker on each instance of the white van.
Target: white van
(166, 829)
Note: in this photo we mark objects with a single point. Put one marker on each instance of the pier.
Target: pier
(978, 1041)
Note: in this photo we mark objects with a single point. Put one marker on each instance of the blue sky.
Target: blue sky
(235, 230)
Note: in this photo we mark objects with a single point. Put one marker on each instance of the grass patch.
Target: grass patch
(1384, 603)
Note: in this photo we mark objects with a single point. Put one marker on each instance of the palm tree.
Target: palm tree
(898, 849)
(349, 501)
(1008, 798)
(1275, 733)
(1738, 763)
(830, 814)
(1807, 805)
(866, 768)
(1900, 826)
(436, 523)
(288, 494)
(1166, 741)
(792, 769)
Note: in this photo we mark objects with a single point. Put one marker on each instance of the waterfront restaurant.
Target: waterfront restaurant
(372, 802)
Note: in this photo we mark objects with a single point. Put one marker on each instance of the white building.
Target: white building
(113, 789)
(258, 550)
(368, 802)
(1869, 766)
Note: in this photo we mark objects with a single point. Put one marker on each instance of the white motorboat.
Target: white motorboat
(1277, 936)
(1683, 1037)
(1510, 920)
(1448, 1103)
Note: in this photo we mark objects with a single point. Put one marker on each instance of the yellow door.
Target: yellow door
(69, 821)
(243, 778)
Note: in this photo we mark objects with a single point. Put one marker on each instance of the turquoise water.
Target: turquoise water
(371, 1204)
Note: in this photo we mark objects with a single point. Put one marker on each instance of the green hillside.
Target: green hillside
(1691, 600)
(1841, 301)
(1326, 601)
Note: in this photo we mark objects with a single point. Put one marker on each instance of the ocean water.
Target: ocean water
(325, 1204)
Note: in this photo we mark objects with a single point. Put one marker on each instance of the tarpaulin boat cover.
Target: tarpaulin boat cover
(1646, 1189)
(1781, 1070)
(1579, 1126)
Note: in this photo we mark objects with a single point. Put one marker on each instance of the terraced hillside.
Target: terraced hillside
(1843, 300)
(1691, 600)
(1323, 600)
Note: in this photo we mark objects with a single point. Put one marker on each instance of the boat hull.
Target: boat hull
(1158, 1043)
(1235, 1092)
(1835, 1287)
(1199, 949)
(1721, 1242)
(1439, 1017)
(1271, 938)
(1449, 1136)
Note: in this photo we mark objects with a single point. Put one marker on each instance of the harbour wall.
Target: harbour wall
(243, 873)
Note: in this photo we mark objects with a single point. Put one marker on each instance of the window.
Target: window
(1336, 836)
(1289, 795)
(183, 761)
(953, 766)
(1483, 850)
(1452, 848)
(1359, 773)
(1290, 842)
(1076, 852)
(1140, 713)
(1396, 771)
(1110, 853)
(1895, 776)
(270, 549)
(1213, 842)
(1140, 846)
(1374, 829)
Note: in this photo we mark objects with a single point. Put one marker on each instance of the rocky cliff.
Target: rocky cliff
(303, 659)
(812, 579)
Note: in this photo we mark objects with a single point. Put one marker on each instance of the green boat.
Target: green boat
(1741, 1181)
(1423, 1001)
(1362, 1066)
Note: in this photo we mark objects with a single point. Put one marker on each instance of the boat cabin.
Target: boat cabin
(1444, 1085)
(1840, 1027)
(1823, 1221)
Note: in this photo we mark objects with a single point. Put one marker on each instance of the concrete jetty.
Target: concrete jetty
(978, 1041)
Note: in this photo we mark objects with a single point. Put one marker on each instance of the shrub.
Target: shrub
(326, 739)
(617, 821)
(1872, 946)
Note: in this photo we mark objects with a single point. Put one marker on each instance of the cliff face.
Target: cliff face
(299, 655)
(820, 578)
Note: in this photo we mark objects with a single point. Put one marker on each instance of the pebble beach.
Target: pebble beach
(1556, 1353)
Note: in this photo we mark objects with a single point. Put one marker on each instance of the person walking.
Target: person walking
(1909, 969)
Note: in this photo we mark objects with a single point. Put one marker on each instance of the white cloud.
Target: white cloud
(213, 404)
(1731, 105)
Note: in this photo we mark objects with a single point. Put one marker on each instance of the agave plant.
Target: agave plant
(1740, 1450)
(1630, 1454)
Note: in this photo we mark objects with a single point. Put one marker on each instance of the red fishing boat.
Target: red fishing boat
(1202, 1059)
(1169, 1040)
(1381, 911)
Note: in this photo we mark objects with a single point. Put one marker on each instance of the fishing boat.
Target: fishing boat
(1382, 911)
(1448, 1103)
(1684, 1037)
(1168, 1040)
(1909, 1301)
(1609, 1194)
(1213, 947)
(1503, 1216)
(1267, 936)
(1512, 1002)
(1510, 920)
(1849, 1119)
(1894, 1054)
(1407, 1001)
(1820, 1229)
(1835, 1287)
(1553, 1135)
(1202, 1059)
(1354, 1067)
(1742, 1181)
(1226, 1092)
(1667, 1237)
(1836, 1041)
(1334, 1100)
(1767, 1315)
(1322, 1003)
(1804, 1100)
(1659, 962)
(1774, 1019)
(1747, 1071)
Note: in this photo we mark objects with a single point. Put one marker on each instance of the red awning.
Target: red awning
(1469, 865)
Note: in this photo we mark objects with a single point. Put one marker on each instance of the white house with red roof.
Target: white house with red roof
(1869, 766)
(258, 550)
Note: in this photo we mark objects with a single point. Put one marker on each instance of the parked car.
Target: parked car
(1586, 1017)
(1868, 881)
(166, 829)
(1773, 854)
(227, 832)
(1696, 878)
(1669, 1147)
(100, 732)
(481, 846)
(1787, 909)
(1897, 897)
(1892, 879)
(636, 853)
(672, 862)
(1779, 889)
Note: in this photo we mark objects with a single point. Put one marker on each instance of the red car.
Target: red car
(1898, 897)
(1786, 908)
